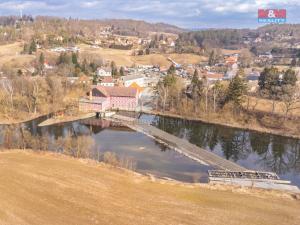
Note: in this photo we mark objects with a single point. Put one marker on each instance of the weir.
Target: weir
(180, 145)
(247, 178)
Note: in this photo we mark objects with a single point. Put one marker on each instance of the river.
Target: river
(250, 149)
(253, 150)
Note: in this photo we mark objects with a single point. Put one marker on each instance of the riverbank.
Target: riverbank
(249, 127)
(64, 119)
(18, 121)
(48, 188)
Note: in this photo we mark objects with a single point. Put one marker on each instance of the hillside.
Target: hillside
(42, 188)
(134, 27)
(237, 38)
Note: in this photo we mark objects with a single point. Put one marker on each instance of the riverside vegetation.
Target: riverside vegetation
(230, 102)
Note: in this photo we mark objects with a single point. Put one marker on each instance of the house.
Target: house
(139, 79)
(101, 98)
(231, 60)
(104, 72)
(107, 82)
(210, 76)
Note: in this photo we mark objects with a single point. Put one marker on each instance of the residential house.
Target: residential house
(231, 60)
(211, 76)
(104, 72)
(139, 79)
(106, 81)
(101, 98)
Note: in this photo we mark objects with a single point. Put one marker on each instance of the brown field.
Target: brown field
(162, 59)
(265, 105)
(10, 55)
(42, 188)
(125, 58)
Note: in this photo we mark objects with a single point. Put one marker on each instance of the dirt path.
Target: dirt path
(53, 189)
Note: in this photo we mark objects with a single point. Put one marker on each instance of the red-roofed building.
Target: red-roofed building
(102, 98)
(107, 81)
(213, 76)
(231, 60)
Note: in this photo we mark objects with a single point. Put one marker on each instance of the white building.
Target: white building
(139, 79)
(104, 72)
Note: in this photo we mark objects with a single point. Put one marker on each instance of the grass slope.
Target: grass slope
(52, 189)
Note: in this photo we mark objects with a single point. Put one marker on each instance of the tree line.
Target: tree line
(203, 97)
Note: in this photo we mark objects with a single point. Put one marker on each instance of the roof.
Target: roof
(117, 91)
(107, 80)
(132, 77)
(106, 69)
(213, 75)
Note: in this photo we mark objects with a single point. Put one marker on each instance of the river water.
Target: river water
(250, 149)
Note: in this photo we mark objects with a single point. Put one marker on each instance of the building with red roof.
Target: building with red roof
(102, 98)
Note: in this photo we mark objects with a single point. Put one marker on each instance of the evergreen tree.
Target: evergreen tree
(171, 69)
(32, 47)
(19, 73)
(195, 78)
(84, 66)
(268, 78)
(211, 60)
(74, 58)
(289, 78)
(42, 59)
(122, 73)
(294, 62)
(114, 69)
(236, 91)
(95, 79)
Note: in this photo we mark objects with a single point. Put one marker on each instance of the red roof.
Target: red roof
(117, 91)
(213, 75)
(107, 80)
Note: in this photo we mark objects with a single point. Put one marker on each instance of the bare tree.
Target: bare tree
(8, 87)
(290, 98)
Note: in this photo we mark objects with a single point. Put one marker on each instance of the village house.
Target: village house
(104, 72)
(102, 98)
(211, 76)
(106, 81)
(231, 60)
(139, 79)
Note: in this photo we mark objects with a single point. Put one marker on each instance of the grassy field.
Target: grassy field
(125, 58)
(42, 188)
(10, 55)
(265, 105)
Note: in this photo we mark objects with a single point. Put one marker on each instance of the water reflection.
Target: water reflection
(148, 155)
(250, 149)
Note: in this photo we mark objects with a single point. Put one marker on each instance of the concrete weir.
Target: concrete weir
(183, 146)
(205, 157)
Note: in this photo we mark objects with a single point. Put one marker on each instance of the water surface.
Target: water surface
(250, 149)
